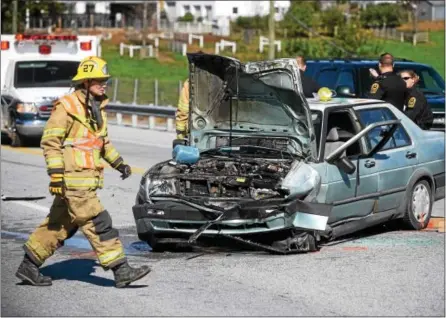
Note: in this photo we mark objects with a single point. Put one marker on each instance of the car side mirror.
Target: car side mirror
(345, 165)
(344, 90)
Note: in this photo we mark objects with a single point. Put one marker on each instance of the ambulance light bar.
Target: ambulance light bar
(45, 48)
(49, 37)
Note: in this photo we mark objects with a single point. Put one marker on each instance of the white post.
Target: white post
(184, 49)
(151, 122)
(131, 50)
(170, 126)
(201, 41)
(134, 120)
(135, 91)
(121, 48)
(119, 118)
(190, 38)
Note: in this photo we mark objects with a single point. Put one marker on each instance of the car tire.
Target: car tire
(17, 140)
(419, 206)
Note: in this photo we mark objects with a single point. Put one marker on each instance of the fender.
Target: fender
(417, 175)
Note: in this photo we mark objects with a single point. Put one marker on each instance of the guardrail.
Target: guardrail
(142, 116)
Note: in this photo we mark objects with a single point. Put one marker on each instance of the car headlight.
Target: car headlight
(158, 187)
(26, 108)
(439, 120)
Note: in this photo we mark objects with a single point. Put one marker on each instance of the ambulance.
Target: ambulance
(36, 70)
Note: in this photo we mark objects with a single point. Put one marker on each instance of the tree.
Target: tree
(304, 11)
(331, 18)
(188, 17)
(50, 7)
(391, 15)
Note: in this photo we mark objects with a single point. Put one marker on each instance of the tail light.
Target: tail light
(5, 45)
(86, 46)
(43, 108)
(44, 49)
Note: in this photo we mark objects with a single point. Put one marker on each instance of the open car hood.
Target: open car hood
(266, 97)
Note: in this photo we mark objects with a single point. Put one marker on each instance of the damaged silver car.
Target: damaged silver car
(251, 169)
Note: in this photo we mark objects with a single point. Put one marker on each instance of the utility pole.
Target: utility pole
(271, 30)
(145, 23)
(14, 16)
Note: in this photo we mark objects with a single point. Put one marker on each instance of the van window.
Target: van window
(44, 73)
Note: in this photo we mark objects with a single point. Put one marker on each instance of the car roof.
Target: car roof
(365, 62)
(341, 102)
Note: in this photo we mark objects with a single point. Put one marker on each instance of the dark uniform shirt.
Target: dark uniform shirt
(309, 85)
(417, 109)
(390, 88)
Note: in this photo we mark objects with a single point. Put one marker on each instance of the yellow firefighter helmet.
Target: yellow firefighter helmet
(325, 94)
(91, 67)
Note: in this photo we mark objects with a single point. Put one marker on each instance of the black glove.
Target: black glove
(56, 186)
(125, 170)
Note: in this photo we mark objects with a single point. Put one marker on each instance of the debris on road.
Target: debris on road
(25, 198)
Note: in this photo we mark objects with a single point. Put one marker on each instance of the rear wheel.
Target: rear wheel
(419, 206)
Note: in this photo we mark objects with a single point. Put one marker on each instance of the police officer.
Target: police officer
(388, 86)
(74, 140)
(308, 84)
(417, 107)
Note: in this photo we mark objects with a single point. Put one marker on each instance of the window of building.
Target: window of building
(235, 10)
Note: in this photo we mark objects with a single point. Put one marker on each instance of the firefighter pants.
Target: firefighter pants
(77, 210)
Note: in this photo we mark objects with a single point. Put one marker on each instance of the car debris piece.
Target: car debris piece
(25, 198)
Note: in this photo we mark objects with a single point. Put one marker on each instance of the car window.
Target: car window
(327, 78)
(368, 116)
(345, 78)
(311, 69)
(400, 137)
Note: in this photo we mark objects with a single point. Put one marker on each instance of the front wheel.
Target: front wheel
(419, 206)
(17, 140)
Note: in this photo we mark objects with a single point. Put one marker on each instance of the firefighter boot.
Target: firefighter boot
(124, 274)
(29, 272)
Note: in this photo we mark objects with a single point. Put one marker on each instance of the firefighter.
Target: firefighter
(74, 140)
(387, 86)
(417, 107)
(182, 114)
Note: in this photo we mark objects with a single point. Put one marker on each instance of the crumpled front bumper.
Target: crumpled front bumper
(177, 219)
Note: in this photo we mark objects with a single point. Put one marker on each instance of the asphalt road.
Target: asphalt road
(390, 273)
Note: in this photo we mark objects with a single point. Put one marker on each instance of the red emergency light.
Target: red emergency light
(86, 46)
(49, 37)
(45, 49)
(5, 45)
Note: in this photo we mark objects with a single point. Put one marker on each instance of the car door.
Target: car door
(350, 194)
(394, 163)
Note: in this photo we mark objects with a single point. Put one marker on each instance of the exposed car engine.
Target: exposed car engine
(228, 178)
